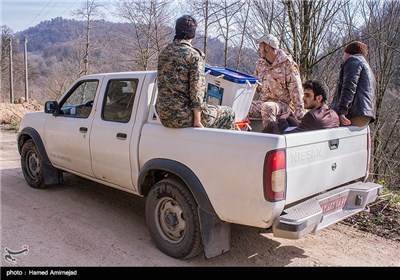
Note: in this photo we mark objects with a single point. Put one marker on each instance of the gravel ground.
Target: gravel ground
(82, 223)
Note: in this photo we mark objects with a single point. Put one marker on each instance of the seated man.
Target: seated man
(280, 91)
(181, 84)
(319, 116)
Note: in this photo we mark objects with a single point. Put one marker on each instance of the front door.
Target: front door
(66, 134)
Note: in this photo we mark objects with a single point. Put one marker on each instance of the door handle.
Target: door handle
(334, 144)
(121, 136)
(83, 129)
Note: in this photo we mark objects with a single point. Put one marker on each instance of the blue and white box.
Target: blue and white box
(231, 88)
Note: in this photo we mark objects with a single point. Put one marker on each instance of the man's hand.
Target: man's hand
(343, 120)
(197, 118)
(199, 124)
(285, 115)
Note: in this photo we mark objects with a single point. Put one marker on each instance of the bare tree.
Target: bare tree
(383, 37)
(242, 19)
(150, 21)
(376, 23)
(266, 17)
(7, 38)
(57, 79)
(6, 35)
(310, 23)
(226, 13)
(205, 16)
(344, 28)
(301, 26)
(89, 11)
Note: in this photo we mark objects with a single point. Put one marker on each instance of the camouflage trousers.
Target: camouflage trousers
(269, 111)
(218, 116)
(211, 116)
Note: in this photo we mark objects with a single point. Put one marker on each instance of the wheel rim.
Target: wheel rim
(169, 220)
(33, 164)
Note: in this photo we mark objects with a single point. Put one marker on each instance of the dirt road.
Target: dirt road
(81, 223)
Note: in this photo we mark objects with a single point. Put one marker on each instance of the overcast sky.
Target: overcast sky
(22, 14)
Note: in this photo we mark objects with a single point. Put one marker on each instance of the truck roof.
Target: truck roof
(111, 74)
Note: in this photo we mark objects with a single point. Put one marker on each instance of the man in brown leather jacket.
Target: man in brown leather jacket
(319, 116)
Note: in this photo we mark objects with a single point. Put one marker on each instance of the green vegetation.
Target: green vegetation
(382, 217)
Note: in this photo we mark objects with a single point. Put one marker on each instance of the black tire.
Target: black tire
(172, 219)
(31, 163)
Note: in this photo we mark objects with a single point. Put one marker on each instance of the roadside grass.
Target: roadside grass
(13, 126)
(382, 217)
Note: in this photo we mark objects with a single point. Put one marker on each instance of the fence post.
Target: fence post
(26, 69)
(11, 74)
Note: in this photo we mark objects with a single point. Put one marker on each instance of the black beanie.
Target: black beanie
(185, 27)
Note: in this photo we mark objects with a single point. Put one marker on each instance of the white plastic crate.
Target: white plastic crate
(230, 88)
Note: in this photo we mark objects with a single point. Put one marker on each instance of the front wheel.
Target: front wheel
(172, 219)
(31, 163)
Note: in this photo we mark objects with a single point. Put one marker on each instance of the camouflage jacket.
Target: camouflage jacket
(181, 83)
(281, 81)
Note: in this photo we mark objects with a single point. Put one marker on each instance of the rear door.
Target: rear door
(320, 160)
(111, 135)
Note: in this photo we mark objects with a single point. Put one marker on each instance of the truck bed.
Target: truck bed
(316, 162)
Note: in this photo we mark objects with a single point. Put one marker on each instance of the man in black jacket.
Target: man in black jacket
(355, 100)
(319, 116)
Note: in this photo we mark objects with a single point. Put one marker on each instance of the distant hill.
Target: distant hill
(51, 32)
(56, 54)
(60, 37)
(63, 37)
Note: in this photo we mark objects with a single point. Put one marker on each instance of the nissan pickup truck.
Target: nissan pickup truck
(196, 181)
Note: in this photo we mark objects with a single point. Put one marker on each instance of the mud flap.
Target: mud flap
(52, 176)
(216, 234)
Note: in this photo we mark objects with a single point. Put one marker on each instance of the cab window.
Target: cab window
(79, 102)
(118, 100)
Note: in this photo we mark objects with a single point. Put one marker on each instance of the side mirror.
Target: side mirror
(50, 107)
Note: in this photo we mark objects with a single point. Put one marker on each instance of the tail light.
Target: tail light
(275, 175)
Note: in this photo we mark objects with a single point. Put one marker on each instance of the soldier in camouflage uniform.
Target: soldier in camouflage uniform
(182, 86)
(281, 91)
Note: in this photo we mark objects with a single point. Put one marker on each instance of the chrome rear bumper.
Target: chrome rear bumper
(320, 211)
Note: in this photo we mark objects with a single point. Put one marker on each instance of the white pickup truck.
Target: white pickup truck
(197, 181)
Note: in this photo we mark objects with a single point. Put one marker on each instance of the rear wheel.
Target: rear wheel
(31, 163)
(172, 219)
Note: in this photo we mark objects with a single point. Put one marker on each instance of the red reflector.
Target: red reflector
(278, 160)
